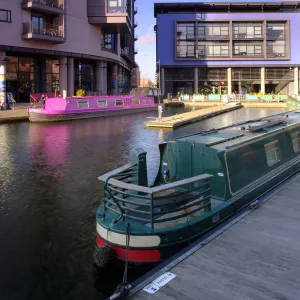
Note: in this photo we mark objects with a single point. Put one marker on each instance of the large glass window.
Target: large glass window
(116, 6)
(212, 30)
(275, 48)
(109, 41)
(185, 49)
(5, 15)
(213, 49)
(272, 153)
(247, 30)
(84, 76)
(52, 75)
(276, 30)
(185, 31)
(248, 49)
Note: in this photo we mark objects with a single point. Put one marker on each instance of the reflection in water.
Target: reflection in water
(49, 195)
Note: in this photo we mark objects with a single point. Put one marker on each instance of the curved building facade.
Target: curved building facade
(65, 45)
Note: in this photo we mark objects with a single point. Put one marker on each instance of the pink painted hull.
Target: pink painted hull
(59, 109)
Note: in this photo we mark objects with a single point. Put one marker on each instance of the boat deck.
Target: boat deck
(255, 256)
(193, 116)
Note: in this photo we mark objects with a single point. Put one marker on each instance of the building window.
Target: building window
(212, 30)
(109, 41)
(83, 104)
(246, 30)
(119, 102)
(296, 141)
(5, 15)
(275, 48)
(102, 103)
(185, 31)
(116, 6)
(272, 153)
(212, 49)
(248, 49)
(52, 75)
(276, 30)
(185, 40)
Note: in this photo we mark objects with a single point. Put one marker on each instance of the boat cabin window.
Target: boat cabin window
(136, 101)
(102, 103)
(83, 104)
(150, 93)
(119, 102)
(272, 153)
(296, 141)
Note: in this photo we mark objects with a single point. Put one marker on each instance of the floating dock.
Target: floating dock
(18, 115)
(193, 116)
(254, 256)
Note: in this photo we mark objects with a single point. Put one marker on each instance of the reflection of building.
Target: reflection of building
(56, 44)
(228, 47)
(145, 82)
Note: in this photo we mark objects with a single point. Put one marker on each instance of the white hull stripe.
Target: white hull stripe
(138, 241)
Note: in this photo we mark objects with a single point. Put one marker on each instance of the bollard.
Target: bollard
(160, 110)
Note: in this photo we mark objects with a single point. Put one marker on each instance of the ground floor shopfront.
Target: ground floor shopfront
(23, 73)
(230, 80)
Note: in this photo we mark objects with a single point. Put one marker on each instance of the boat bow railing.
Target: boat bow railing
(154, 205)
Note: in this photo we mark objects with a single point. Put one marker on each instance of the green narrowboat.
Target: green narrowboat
(203, 179)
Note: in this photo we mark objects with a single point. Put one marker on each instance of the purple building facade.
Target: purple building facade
(228, 47)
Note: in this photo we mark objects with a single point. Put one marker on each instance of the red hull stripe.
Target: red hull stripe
(133, 255)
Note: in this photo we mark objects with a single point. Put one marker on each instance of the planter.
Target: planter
(251, 97)
(198, 98)
(214, 97)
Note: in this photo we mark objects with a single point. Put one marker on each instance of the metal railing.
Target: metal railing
(155, 205)
(51, 3)
(43, 28)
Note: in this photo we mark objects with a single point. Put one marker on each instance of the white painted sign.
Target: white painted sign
(159, 282)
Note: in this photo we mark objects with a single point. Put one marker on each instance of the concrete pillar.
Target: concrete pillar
(71, 91)
(296, 80)
(162, 81)
(2, 80)
(229, 84)
(114, 79)
(196, 81)
(63, 76)
(99, 79)
(104, 77)
(262, 81)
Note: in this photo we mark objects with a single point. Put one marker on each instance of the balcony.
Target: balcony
(136, 51)
(127, 54)
(135, 38)
(114, 19)
(135, 11)
(243, 36)
(135, 24)
(213, 37)
(43, 32)
(50, 7)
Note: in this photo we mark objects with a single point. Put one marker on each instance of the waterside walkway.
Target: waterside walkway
(193, 116)
(257, 257)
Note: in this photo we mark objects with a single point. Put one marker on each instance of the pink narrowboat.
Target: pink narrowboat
(73, 108)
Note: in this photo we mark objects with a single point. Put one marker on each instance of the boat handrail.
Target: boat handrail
(150, 204)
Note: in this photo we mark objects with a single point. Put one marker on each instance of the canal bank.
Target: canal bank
(50, 193)
(254, 255)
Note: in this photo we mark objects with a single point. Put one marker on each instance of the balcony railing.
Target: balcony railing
(116, 10)
(51, 3)
(46, 29)
(213, 36)
(247, 36)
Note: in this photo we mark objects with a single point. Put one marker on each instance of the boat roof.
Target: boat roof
(236, 134)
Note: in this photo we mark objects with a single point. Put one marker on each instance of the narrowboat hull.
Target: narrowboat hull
(38, 116)
(173, 241)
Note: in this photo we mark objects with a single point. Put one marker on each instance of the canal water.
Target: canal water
(49, 194)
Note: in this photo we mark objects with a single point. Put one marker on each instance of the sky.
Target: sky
(146, 43)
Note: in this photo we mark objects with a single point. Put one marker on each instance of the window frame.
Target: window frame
(277, 150)
(297, 134)
(8, 16)
(83, 101)
(102, 101)
(136, 99)
(121, 100)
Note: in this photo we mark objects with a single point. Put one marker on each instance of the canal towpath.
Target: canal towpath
(254, 256)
